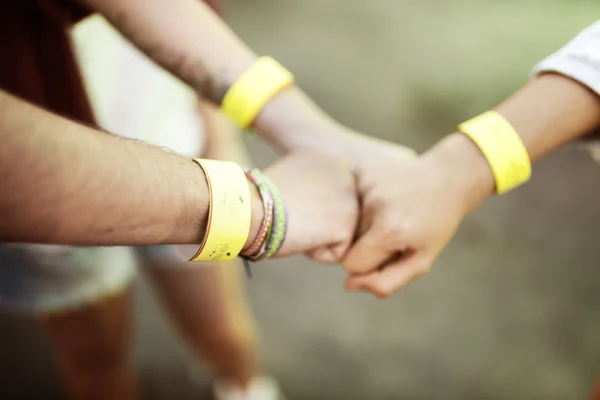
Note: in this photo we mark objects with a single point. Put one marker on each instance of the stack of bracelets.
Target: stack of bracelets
(230, 210)
(274, 226)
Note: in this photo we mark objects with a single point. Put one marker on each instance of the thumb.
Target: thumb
(394, 276)
(370, 252)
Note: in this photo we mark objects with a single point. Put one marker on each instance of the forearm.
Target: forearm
(547, 113)
(61, 182)
(551, 111)
(189, 40)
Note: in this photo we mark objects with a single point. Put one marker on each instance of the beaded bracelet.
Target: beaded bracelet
(274, 227)
(257, 248)
(279, 221)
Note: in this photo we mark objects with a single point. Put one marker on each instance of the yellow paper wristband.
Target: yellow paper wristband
(248, 95)
(502, 147)
(229, 211)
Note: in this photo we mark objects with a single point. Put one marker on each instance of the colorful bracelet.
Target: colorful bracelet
(274, 227)
(257, 248)
(279, 230)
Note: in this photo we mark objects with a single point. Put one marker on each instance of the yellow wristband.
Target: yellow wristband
(229, 211)
(502, 147)
(248, 95)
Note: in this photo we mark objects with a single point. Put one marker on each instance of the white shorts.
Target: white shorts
(130, 97)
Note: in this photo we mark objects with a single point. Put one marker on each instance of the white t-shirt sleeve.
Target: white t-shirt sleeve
(580, 60)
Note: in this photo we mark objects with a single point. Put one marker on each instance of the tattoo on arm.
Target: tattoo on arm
(194, 72)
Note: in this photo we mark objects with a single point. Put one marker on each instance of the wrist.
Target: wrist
(258, 215)
(462, 165)
(290, 120)
(194, 218)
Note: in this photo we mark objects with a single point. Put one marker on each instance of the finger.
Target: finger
(390, 279)
(331, 254)
(367, 254)
(334, 253)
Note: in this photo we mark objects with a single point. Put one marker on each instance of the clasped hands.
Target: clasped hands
(376, 207)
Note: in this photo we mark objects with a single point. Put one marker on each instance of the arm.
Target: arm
(62, 182)
(548, 112)
(404, 237)
(188, 39)
(559, 106)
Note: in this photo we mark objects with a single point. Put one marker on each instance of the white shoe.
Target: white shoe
(262, 388)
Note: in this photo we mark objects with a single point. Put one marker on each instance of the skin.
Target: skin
(139, 171)
(57, 187)
(402, 239)
(205, 302)
(403, 227)
(397, 240)
(385, 243)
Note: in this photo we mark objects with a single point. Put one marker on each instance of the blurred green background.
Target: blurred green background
(511, 309)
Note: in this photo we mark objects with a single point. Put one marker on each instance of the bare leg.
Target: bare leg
(92, 345)
(207, 304)
(206, 301)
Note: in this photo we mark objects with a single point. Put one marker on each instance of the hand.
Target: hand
(378, 167)
(320, 197)
(410, 211)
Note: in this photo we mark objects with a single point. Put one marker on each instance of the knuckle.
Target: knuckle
(421, 270)
(342, 235)
(392, 230)
(347, 209)
(369, 209)
(350, 265)
(384, 293)
(380, 290)
(376, 202)
(387, 227)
